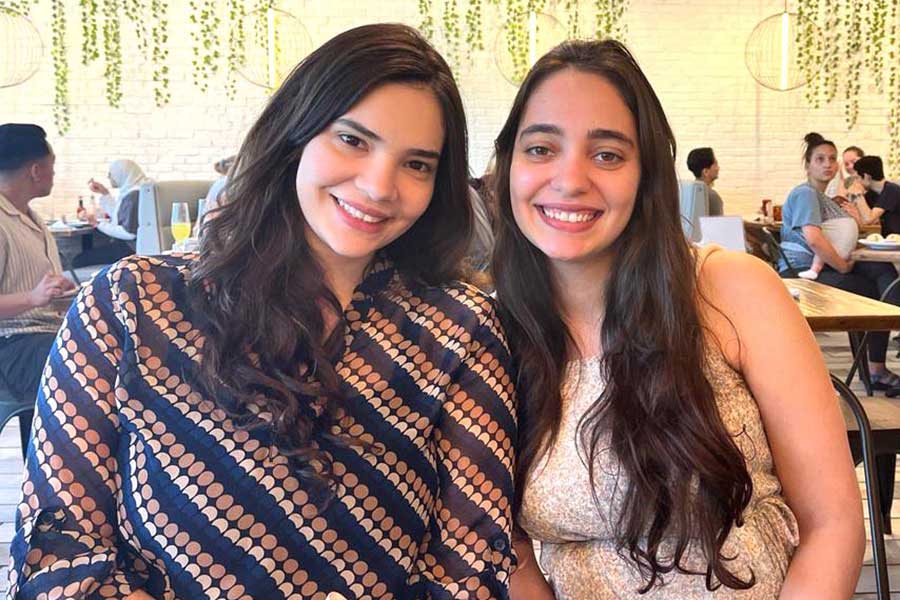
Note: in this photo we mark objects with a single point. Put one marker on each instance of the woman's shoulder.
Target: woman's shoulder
(731, 280)
(802, 191)
(138, 274)
(459, 301)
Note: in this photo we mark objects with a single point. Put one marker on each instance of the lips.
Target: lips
(366, 215)
(568, 218)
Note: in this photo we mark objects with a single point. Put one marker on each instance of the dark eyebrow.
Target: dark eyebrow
(593, 134)
(374, 136)
(603, 134)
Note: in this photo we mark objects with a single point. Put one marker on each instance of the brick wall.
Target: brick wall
(693, 53)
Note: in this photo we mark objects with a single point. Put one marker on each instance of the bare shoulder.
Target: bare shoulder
(738, 283)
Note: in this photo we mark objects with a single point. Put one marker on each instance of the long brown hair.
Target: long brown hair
(687, 480)
(257, 285)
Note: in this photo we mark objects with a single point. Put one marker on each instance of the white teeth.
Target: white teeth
(568, 216)
(355, 212)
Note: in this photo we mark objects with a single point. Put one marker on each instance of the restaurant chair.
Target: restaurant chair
(694, 201)
(14, 406)
(154, 231)
(727, 232)
(876, 520)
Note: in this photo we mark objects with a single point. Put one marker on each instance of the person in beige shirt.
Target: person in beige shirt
(30, 272)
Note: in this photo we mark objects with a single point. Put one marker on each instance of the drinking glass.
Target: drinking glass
(181, 222)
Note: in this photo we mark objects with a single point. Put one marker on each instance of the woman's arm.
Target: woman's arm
(528, 583)
(67, 525)
(767, 339)
(469, 551)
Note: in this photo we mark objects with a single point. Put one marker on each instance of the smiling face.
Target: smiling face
(822, 164)
(367, 178)
(849, 158)
(575, 168)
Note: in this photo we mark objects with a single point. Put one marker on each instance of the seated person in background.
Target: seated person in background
(805, 211)
(886, 195)
(843, 183)
(214, 196)
(31, 275)
(703, 164)
(116, 222)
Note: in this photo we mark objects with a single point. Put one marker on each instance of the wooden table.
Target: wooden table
(828, 308)
(867, 254)
(775, 226)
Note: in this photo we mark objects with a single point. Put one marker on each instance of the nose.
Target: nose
(378, 179)
(571, 177)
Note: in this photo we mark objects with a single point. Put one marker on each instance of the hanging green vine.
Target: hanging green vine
(236, 46)
(572, 21)
(854, 65)
(474, 35)
(426, 25)
(452, 31)
(894, 85)
(858, 43)
(159, 36)
(60, 67)
(206, 50)
(135, 11)
(112, 52)
(608, 18)
(89, 50)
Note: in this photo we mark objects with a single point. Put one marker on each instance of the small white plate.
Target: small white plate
(882, 245)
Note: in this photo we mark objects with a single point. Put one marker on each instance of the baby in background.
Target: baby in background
(843, 233)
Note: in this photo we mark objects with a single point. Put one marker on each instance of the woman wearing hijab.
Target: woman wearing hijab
(116, 235)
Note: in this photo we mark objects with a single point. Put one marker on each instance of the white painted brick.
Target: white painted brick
(692, 52)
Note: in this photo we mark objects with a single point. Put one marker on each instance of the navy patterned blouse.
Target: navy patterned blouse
(136, 481)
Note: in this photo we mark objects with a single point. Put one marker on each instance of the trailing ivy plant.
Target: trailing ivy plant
(206, 48)
(89, 49)
(159, 36)
(608, 14)
(112, 52)
(135, 11)
(858, 42)
(236, 46)
(452, 31)
(474, 35)
(426, 25)
(60, 66)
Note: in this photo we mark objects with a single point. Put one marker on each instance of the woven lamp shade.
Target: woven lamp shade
(771, 54)
(274, 42)
(21, 48)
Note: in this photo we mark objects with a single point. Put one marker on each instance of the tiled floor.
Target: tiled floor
(836, 354)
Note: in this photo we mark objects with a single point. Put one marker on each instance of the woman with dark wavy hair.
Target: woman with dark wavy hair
(313, 407)
(679, 436)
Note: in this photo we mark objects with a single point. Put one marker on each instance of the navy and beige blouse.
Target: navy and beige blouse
(136, 481)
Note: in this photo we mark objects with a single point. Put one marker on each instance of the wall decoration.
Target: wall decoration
(21, 48)
(772, 52)
(859, 44)
(262, 42)
(278, 43)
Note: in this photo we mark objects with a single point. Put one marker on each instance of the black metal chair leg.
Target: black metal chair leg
(860, 360)
(876, 521)
(885, 466)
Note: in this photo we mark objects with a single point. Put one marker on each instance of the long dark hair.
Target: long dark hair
(687, 480)
(256, 283)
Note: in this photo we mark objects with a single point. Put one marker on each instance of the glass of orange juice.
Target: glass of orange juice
(181, 222)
